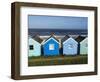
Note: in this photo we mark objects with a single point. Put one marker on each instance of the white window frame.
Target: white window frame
(51, 47)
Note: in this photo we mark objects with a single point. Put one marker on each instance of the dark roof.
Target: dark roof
(73, 36)
(37, 38)
(65, 38)
(80, 38)
(52, 36)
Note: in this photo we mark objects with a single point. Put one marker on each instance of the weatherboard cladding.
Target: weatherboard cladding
(79, 39)
(46, 46)
(66, 42)
(36, 47)
(84, 46)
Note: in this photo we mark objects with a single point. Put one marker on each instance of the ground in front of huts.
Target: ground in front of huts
(57, 60)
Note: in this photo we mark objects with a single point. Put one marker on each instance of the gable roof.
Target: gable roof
(69, 40)
(80, 38)
(73, 36)
(86, 38)
(37, 38)
(65, 38)
(51, 37)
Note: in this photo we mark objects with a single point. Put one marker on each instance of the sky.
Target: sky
(57, 22)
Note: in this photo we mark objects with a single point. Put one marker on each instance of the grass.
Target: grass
(57, 60)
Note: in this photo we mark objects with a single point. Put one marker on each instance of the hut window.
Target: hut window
(51, 46)
(31, 47)
(70, 46)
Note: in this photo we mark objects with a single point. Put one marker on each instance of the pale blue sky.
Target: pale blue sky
(57, 22)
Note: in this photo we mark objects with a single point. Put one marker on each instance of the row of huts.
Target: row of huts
(50, 46)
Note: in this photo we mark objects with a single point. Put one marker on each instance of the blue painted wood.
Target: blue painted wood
(46, 49)
(70, 47)
(36, 51)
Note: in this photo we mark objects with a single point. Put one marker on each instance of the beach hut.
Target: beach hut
(69, 45)
(51, 46)
(79, 39)
(84, 46)
(34, 46)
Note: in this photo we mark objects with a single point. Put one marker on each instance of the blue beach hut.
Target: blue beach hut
(51, 46)
(34, 46)
(69, 45)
